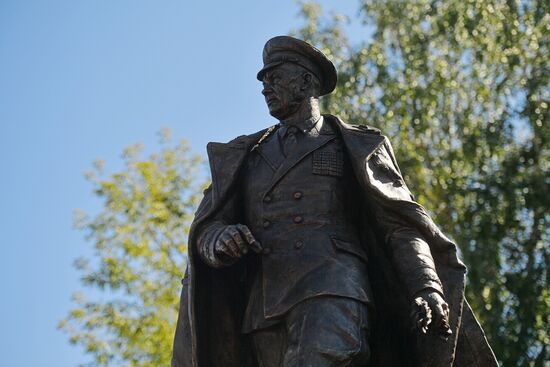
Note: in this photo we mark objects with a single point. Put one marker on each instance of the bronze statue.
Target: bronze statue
(309, 250)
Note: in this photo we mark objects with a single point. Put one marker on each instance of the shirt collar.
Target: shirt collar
(308, 127)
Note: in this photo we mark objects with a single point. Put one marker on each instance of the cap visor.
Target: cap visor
(271, 65)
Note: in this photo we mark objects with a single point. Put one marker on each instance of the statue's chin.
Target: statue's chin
(277, 113)
(283, 113)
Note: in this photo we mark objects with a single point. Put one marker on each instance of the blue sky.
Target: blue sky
(81, 80)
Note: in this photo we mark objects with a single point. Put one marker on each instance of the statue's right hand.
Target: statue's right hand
(235, 241)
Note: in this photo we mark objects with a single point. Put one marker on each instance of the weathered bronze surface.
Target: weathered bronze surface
(308, 249)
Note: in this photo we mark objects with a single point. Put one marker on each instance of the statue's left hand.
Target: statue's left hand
(431, 313)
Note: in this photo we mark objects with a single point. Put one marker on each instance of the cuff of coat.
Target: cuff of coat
(207, 242)
(425, 279)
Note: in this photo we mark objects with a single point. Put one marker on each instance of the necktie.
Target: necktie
(290, 140)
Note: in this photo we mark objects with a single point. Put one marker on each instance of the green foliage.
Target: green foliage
(139, 240)
(461, 87)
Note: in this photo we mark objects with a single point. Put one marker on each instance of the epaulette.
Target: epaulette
(237, 140)
(368, 129)
(238, 143)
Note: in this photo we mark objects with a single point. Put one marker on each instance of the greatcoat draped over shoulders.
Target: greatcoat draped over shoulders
(212, 300)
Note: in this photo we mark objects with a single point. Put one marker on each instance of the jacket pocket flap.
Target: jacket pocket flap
(350, 247)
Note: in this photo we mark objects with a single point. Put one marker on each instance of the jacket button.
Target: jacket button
(266, 223)
(267, 199)
(297, 195)
(298, 219)
(298, 244)
(266, 250)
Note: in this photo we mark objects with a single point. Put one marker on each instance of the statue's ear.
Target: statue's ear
(306, 81)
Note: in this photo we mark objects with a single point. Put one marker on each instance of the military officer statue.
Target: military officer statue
(309, 250)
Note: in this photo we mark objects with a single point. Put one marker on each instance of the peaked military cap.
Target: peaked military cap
(281, 49)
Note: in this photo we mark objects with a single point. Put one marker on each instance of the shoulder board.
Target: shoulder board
(367, 129)
(238, 140)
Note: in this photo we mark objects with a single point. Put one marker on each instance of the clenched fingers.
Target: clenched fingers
(422, 315)
(237, 238)
(249, 238)
(442, 320)
(227, 246)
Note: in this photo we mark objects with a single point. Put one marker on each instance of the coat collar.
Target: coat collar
(226, 159)
(360, 141)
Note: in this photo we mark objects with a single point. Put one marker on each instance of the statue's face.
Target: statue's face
(283, 90)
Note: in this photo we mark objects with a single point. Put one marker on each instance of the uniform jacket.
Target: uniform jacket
(301, 207)
(212, 300)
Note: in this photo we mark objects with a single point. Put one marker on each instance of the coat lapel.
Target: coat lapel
(271, 152)
(225, 160)
(302, 150)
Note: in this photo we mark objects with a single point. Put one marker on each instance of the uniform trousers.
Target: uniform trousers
(324, 331)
